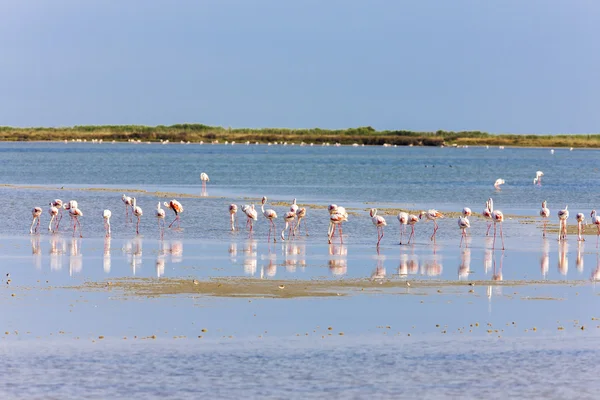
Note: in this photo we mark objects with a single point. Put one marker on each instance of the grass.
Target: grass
(195, 133)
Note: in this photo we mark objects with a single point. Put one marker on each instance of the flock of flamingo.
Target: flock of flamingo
(294, 217)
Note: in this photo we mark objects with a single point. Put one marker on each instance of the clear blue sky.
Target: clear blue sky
(522, 66)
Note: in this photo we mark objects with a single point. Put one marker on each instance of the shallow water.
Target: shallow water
(448, 339)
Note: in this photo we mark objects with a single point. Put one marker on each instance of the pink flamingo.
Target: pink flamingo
(160, 215)
(233, 209)
(336, 218)
(545, 214)
(487, 214)
(53, 211)
(58, 203)
(379, 222)
(289, 219)
(580, 217)
(251, 215)
(432, 215)
(403, 219)
(204, 178)
(562, 216)
(75, 213)
(335, 209)
(294, 206)
(538, 178)
(177, 209)
(36, 212)
(412, 221)
(498, 218)
(270, 215)
(127, 201)
(596, 221)
(106, 214)
(301, 214)
(137, 211)
(463, 224)
(498, 182)
(466, 212)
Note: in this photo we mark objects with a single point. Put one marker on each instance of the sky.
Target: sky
(509, 66)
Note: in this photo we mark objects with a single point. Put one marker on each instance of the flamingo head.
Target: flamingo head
(592, 213)
(166, 204)
(332, 208)
(264, 199)
(294, 201)
(421, 214)
(373, 212)
(544, 204)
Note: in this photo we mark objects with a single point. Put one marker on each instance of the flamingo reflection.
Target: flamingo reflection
(106, 260)
(488, 255)
(379, 273)
(596, 273)
(160, 265)
(294, 255)
(496, 276)
(36, 251)
(270, 269)
(58, 247)
(338, 259)
(545, 259)
(579, 261)
(250, 261)
(232, 252)
(563, 260)
(176, 251)
(75, 257)
(403, 267)
(465, 264)
(433, 267)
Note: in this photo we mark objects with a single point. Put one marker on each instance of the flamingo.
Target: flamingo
(75, 213)
(251, 215)
(538, 178)
(487, 214)
(301, 214)
(432, 215)
(53, 211)
(204, 178)
(580, 218)
(335, 209)
(127, 201)
(596, 221)
(466, 212)
(545, 214)
(463, 224)
(498, 182)
(58, 203)
(36, 212)
(232, 211)
(412, 220)
(270, 215)
(160, 215)
(177, 209)
(562, 216)
(294, 206)
(379, 222)
(403, 219)
(106, 215)
(137, 211)
(289, 218)
(498, 218)
(336, 218)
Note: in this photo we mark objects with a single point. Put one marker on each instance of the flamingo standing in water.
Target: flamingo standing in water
(177, 209)
(301, 214)
(294, 206)
(53, 211)
(336, 218)
(498, 182)
(466, 212)
(580, 217)
(58, 203)
(335, 209)
(463, 224)
(403, 219)
(36, 212)
(160, 215)
(137, 211)
(538, 178)
(251, 215)
(562, 216)
(68, 206)
(270, 215)
(545, 214)
(487, 214)
(233, 209)
(127, 201)
(596, 221)
(432, 215)
(412, 220)
(498, 218)
(289, 218)
(106, 215)
(379, 222)
(75, 213)
(204, 178)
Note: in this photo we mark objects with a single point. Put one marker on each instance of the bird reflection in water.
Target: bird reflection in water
(270, 270)
(545, 259)
(160, 265)
(378, 274)
(36, 251)
(338, 259)
(596, 273)
(58, 247)
(133, 249)
(294, 256)
(488, 255)
(232, 252)
(496, 276)
(176, 251)
(563, 260)
(75, 257)
(579, 261)
(250, 261)
(433, 267)
(403, 266)
(106, 259)
(465, 264)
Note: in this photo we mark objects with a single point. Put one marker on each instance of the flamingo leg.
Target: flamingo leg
(50, 224)
(341, 233)
(435, 228)
(494, 241)
(462, 235)
(597, 236)
(412, 233)
(137, 226)
(545, 223)
(502, 235)
(488, 229)
(401, 233)
(59, 218)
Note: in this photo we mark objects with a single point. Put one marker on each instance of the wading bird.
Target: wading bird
(127, 201)
(106, 215)
(545, 214)
(412, 220)
(432, 215)
(289, 218)
(251, 215)
(379, 223)
(498, 218)
(269, 215)
(160, 215)
(233, 209)
(75, 213)
(58, 203)
(487, 214)
(580, 218)
(596, 221)
(36, 212)
(53, 211)
(403, 219)
(336, 218)
(463, 224)
(301, 214)
(498, 182)
(204, 178)
(137, 211)
(562, 216)
(538, 178)
(177, 209)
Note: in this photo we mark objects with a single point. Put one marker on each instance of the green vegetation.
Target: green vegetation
(363, 135)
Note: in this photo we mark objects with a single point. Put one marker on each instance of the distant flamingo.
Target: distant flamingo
(301, 214)
(204, 178)
(498, 182)
(412, 220)
(403, 219)
(487, 214)
(538, 178)
(289, 218)
(545, 214)
(58, 203)
(177, 209)
(75, 213)
(498, 218)
(137, 211)
(251, 215)
(106, 215)
(580, 217)
(466, 212)
(160, 215)
(379, 222)
(53, 211)
(562, 216)
(596, 221)
(335, 209)
(127, 201)
(233, 209)
(463, 224)
(336, 218)
(36, 212)
(432, 215)
(270, 215)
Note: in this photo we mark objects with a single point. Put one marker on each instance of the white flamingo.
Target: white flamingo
(160, 216)
(580, 218)
(545, 214)
(127, 201)
(403, 219)
(106, 215)
(53, 211)
(137, 211)
(204, 178)
(233, 209)
(379, 223)
(301, 214)
(498, 218)
(596, 221)
(251, 215)
(498, 182)
(58, 203)
(487, 214)
(269, 215)
(432, 215)
(36, 212)
(562, 216)
(463, 224)
(538, 178)
(336, 218)
(412, 221)
(75, 213)
(289, 218)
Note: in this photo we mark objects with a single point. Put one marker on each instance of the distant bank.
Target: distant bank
(196, 133)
